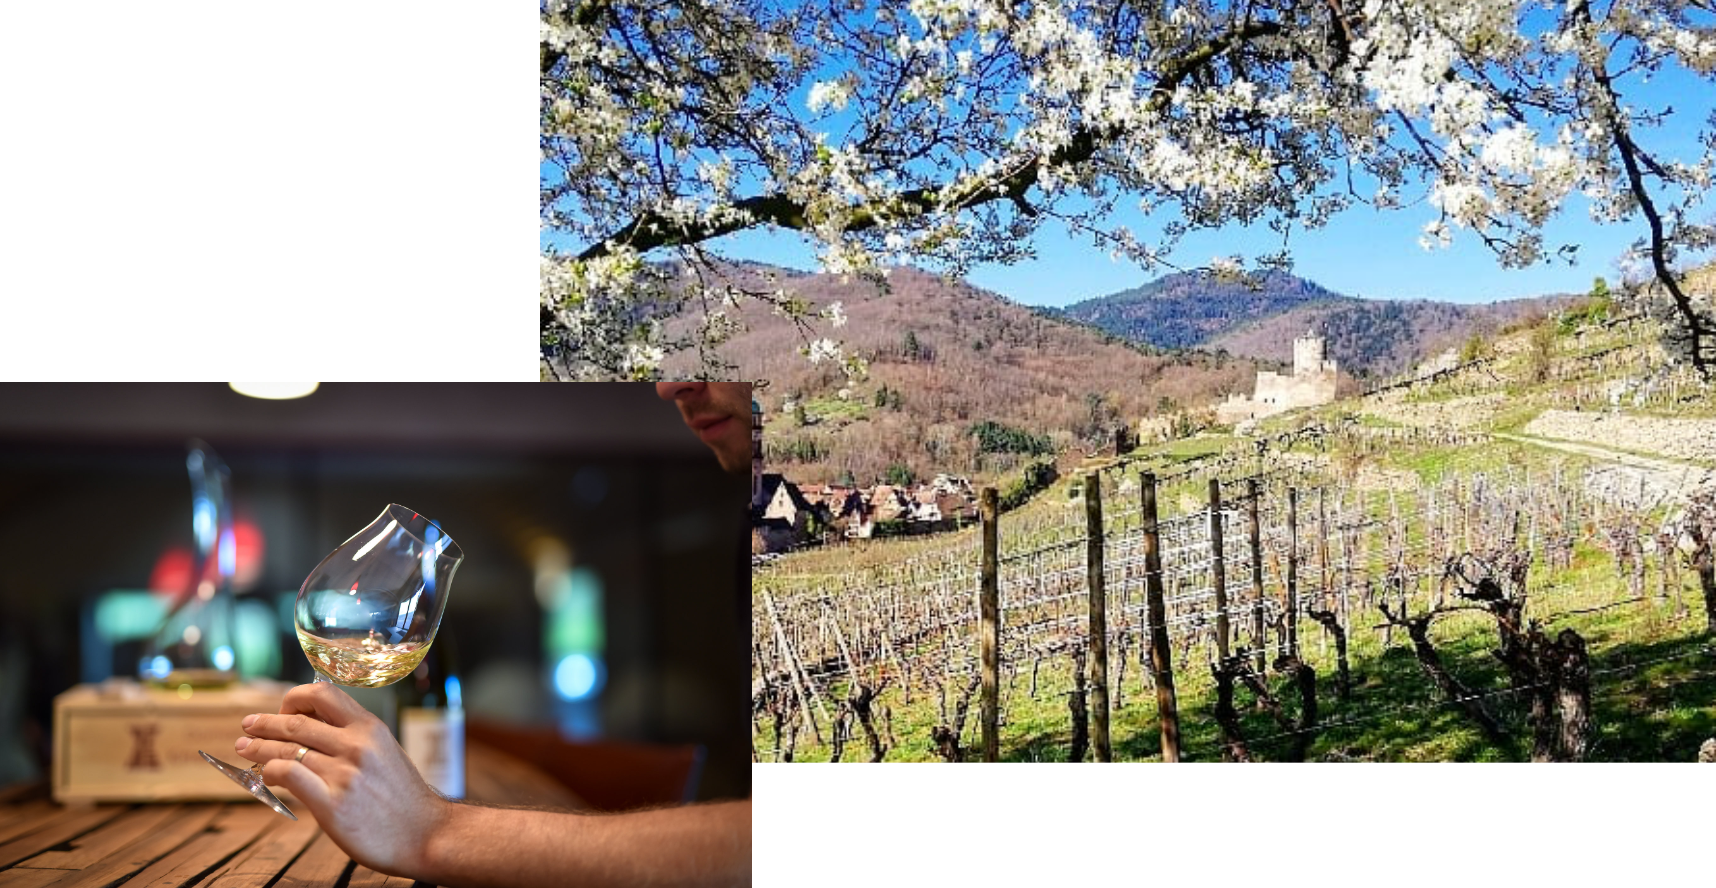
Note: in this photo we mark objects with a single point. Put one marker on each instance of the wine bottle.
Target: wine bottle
(432, 719)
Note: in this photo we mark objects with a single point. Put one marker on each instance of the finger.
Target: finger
(324, 701)
(303, 782)
(299, 729)
(264, 751)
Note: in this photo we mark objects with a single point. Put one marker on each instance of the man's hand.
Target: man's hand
(357, 781)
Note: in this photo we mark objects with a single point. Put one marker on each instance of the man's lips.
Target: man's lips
(707, 424)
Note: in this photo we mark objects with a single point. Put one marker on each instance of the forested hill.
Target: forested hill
(944, 356)
(1259, 316)
(1191, 308)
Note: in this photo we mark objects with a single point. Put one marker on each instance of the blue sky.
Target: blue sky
(1363, 252)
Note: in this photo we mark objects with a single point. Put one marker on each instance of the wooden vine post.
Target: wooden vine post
(1161, 665)
(1098, 617)
(1218, 569)
(1293, 572)
(989, 632)
(1257, 637)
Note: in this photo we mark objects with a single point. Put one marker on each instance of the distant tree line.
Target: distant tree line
(995, 437)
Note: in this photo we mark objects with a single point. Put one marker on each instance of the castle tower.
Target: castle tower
(1308, 354)
(756, 453)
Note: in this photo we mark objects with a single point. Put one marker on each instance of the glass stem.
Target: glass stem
(322, 679)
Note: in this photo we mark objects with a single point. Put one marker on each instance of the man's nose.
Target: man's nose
(668, 391)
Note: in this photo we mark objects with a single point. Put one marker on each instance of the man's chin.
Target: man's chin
(734, 463)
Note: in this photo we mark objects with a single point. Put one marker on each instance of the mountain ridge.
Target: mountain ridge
(1258, 315)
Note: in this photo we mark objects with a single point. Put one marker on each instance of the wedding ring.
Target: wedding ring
(302, 750)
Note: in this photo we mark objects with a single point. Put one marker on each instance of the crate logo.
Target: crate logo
(143, 755)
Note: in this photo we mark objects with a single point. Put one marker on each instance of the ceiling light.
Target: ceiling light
(274, 391)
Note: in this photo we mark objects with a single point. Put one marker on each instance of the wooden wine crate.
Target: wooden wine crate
(122, 741)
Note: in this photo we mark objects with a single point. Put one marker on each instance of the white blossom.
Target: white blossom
(828, 94)
(1488, 114)
(824, 350)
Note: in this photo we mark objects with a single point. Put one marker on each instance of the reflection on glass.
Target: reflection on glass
(368, 613)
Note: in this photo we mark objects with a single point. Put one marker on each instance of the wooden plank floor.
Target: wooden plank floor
(212, 844)
(217, 844)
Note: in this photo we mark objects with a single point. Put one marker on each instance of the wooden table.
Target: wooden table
(215, 844)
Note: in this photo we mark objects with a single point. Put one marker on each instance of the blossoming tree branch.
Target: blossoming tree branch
(945, 131)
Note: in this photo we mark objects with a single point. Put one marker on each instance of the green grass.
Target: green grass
(836, 410)
(1189, 448)
(1514, 417)
(1653, 693)
(1433, 464)
(1654, 685)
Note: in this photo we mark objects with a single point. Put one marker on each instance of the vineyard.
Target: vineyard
(1306, 591)
(1257, 603)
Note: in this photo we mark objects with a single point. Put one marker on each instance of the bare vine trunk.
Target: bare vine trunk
(859, 701)
(1572, 694)
(1233, 747)
(1707, 581)
(1418, 629)
(1343, 679)
(1080, 715)
(946, 738)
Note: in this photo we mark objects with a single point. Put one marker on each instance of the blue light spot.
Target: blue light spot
(428, 557)
(454, 699)
(228, 553)
(203, 522)
(159, 667)
(577, 676)
(222, 658)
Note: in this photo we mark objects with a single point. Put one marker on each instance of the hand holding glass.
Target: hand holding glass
(368, 613)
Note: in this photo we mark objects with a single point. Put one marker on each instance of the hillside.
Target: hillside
(1259, 317)
(1381, 338)
(944, 356)
(1568, 473)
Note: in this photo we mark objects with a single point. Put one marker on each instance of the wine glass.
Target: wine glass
(368, 613)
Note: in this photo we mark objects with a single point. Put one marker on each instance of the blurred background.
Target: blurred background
(599, 596)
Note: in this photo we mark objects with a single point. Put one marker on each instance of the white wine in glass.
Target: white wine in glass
(368, 613)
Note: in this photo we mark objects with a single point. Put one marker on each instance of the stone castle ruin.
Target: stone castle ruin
(1312, 383)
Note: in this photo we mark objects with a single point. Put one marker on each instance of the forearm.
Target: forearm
(697, 845)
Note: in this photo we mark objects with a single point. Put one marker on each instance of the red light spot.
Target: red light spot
(354, 588)
(172, 572)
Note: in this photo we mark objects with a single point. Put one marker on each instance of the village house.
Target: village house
(890, 503)
(785, 516)
(942, 510)
(849, 513)
(783, 521)
(842, 511)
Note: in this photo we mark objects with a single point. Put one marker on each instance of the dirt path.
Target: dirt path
(1630, 478)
